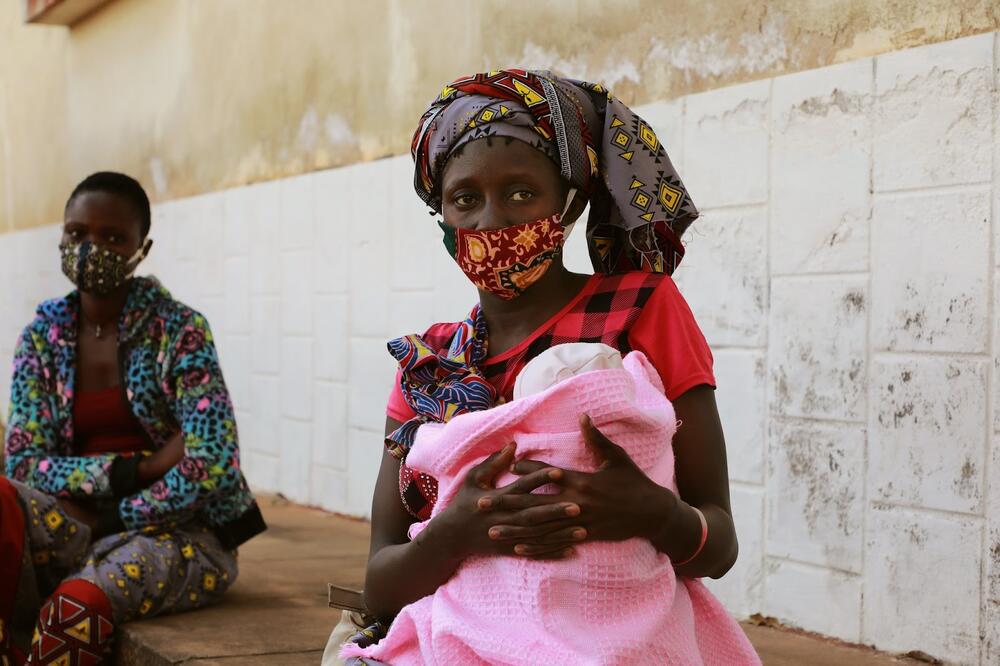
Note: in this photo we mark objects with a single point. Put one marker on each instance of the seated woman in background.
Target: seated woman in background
(510, 159)
(125, 498)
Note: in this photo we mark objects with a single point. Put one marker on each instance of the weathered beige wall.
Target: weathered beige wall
(196, 95)
(34, 143)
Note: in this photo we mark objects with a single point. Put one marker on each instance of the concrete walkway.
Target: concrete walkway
(276, 613)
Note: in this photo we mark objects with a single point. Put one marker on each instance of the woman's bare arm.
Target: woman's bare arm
(401, 571)
(703, 482)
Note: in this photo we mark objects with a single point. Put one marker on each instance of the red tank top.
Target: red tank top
(103, 423)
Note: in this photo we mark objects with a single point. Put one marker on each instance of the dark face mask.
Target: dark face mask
(97, 270)
(508, 261)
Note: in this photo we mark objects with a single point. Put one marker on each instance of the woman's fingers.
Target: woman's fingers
(533, 481)
(528, 466)
(519, 502)
(604, 448)
(538, 514)
(485, 473)
(538, 534)
(549, 552)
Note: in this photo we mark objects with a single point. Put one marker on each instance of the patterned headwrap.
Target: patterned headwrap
(638, 211)
(639, 207)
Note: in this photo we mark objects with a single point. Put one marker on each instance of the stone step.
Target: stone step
(277, 612)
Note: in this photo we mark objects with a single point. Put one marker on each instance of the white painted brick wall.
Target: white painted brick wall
(845, 271)
(824, 600)
(922, 583)
(928, 432)
(827, 113)
(817, 347)
(935, 300)
(816, 479)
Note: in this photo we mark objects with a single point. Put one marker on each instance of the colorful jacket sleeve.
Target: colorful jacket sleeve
(201, 405)
(31, 447)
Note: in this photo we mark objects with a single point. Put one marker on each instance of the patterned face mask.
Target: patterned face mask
(505, 262)
(98, 270)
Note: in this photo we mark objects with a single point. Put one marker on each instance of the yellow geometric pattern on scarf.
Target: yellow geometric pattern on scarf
(530, 97)
(648, 137)
(208, 582)
(603, 246)
(132, 570)
(187, 551)
(594, 162)
(622, 139)
(81, 631)
(641, 200)
(670, 196)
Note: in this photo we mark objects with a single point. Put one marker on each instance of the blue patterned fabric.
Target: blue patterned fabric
(172, 379)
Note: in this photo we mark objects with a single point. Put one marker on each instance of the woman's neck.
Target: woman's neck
(104, 310)
(510, 322)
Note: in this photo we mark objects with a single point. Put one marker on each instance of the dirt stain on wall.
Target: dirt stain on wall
(194, 96)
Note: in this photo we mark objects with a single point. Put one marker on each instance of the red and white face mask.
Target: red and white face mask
(506, 262)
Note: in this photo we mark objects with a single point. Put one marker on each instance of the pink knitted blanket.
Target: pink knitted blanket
(612, 602)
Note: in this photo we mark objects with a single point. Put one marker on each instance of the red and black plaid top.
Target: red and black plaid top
(629, 311)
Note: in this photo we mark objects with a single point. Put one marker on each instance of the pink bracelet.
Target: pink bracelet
(701, 544)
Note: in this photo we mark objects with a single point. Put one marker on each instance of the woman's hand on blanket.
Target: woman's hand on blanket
(484, 519)
(616, 502)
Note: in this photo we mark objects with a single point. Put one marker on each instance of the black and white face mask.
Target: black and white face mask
(98, 270)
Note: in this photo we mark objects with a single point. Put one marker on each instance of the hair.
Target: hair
(119, 184)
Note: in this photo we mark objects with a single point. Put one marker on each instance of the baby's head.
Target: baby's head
(561, 362)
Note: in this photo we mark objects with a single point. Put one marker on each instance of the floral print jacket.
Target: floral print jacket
(172, 379)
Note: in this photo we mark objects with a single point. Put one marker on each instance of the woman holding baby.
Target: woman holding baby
(510, 159)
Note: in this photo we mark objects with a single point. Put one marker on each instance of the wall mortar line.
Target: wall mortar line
(765, 518)
(881, 505)
(814, 565)
(869, 403)
(991, 368)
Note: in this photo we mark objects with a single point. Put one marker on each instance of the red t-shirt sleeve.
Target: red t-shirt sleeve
(668, 335)
(397, 407)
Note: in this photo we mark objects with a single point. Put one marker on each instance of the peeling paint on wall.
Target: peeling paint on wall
(151, 92)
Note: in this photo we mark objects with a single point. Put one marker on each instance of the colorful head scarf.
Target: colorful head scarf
(639, 207)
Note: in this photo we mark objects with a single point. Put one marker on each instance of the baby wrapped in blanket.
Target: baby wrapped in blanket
(612, 602)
